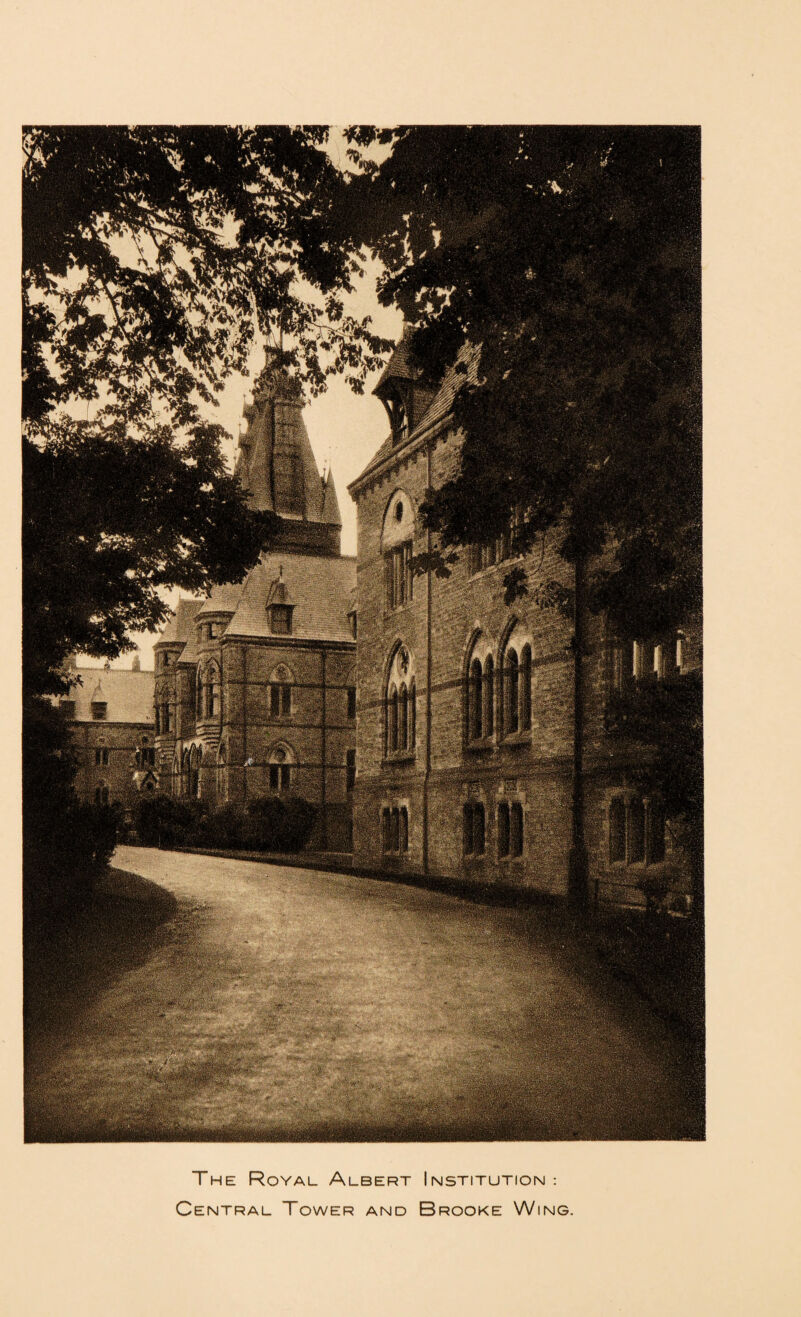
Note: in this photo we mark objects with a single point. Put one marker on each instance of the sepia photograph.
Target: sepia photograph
(362, 646)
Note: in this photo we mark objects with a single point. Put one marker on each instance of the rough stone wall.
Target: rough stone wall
(121, 740)
(532, 769)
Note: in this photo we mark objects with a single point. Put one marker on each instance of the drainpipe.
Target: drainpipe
(244, 697)
(427, 773)
(323, 752)
(577, 872)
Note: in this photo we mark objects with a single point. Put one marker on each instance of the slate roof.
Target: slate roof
(179, 627)
(127, 694)
(439, 407)
(223, 599)
(399, 366)
(318, 587)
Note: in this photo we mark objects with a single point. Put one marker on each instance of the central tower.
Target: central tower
(277, 469)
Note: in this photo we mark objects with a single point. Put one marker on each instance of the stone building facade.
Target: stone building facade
(110, 715)
(255, 686)
(466, 729)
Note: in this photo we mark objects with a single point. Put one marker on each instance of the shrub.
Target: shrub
(65, 849)
(166, 820)
(221, 829)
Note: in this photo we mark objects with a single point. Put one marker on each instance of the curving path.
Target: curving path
(269, 1003)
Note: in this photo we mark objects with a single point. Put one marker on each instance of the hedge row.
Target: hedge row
(267, 823)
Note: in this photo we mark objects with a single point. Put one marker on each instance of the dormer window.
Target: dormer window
(99, 711)
(281, 619)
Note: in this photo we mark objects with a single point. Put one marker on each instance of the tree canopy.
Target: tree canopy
(564, 263)
(152, 260)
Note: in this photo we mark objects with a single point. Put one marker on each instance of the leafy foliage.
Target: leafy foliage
(151, 259)
(66, 843)
(153, 255)
(560, 270)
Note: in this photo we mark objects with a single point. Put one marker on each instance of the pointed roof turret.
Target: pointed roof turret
(330, 510)
(277, 468)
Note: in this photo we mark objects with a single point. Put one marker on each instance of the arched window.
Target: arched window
(222, 758)
(512, 692)
(397, 546)
(479, 690)
(145, 755)
(476, 713)
(525, 689)
(281, 761)
(184, 784)
(488, 696)
(514, 705)
(399, 704)
(281, 683)
(101, 793)
(213, 692)
(175, 785)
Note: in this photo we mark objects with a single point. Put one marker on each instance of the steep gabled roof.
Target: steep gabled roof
(128, 695)
(437, 409)
(318, 587)
(223, 599)
(180, 626)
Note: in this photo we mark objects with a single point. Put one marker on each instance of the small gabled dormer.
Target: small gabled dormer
(401, 389)
(99, 704)
(280, 607)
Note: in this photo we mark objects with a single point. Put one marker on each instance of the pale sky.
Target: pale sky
(345, 430)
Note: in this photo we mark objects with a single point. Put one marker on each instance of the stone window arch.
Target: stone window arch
(282, 765)
(400, 703)
(515, 670)
(479, 690)
(280, 684)
(145, 753)
(397, 548)
(208, 691)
